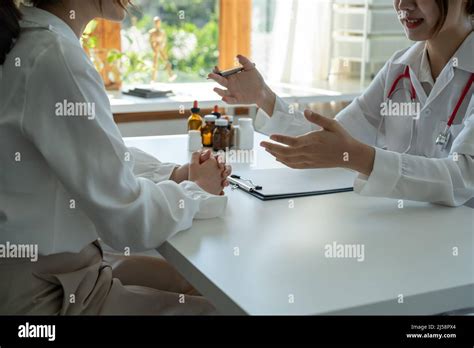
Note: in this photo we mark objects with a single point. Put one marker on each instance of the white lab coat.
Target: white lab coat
(65, 181)
(426, 172)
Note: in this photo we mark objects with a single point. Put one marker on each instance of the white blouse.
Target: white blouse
(425, 172)
(66, 176)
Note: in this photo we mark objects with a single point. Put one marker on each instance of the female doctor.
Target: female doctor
(67, 179)
(423, 156)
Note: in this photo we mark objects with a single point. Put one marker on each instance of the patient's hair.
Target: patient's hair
(443, 8)
(9, 27)
(10, 16)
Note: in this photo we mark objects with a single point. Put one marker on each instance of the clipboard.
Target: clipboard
(285, 183)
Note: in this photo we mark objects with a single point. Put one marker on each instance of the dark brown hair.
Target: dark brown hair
(9, 27)
(10, 16)
(443, 9)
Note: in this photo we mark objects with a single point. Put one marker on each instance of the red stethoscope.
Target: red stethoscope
(444, 137)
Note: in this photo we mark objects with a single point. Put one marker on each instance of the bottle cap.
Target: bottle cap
(195, 109)
(220, 122)
(194, 140)
(245, 121)
(210, 118)
(216, 111)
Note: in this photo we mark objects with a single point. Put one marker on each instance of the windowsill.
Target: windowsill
(186, 93)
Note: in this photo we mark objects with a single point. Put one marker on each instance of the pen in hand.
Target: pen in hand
(227, 73)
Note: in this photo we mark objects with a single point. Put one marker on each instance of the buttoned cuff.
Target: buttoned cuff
(384, 177)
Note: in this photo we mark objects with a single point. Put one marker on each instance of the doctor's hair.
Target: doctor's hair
(10, 17)
(443, 6)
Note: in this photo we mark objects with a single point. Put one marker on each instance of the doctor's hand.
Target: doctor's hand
(211, 174)
(247, 87)
(330, 147)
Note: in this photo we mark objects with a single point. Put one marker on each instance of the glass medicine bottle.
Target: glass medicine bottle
(207, 132)
(233, 139)
(221, 139)
(195, 120)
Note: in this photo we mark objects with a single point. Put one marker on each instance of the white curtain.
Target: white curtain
(301, 42)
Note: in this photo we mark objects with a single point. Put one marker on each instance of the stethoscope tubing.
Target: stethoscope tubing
(413, 97)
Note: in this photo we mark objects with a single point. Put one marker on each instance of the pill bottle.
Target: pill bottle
(246, 134)
(231, 129)
(221, 139)
(207, 132)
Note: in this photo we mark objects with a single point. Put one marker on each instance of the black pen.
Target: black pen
(230, 72)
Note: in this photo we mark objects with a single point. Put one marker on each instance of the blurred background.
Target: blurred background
(305, 49)
(323, 36)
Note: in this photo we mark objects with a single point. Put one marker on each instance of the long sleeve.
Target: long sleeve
(87, 154)
(361, 118)
(148, 167)
(285, 120)
(293, 123)
(448, 181)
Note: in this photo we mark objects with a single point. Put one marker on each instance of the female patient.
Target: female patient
(396, 154)
(67, 178)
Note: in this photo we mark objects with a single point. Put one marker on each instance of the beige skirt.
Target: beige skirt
(92, 283)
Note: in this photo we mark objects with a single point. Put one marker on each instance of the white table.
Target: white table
(408, 252)
(186, 93)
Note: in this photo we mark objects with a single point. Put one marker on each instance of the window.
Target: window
(306, 43)
(191, 28)
(262, 29)
(200, 35)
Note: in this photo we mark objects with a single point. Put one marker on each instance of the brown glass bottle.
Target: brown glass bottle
(207, 132)
(231, 129)
(221, 138)
(195, 120)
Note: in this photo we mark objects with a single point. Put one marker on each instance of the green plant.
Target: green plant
(203, 57)
(135, 67)
(88, 40)
(192, 42)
